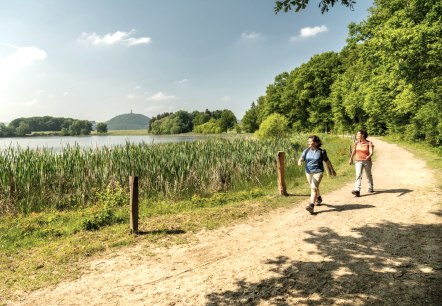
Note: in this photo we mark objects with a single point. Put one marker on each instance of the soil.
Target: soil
(377, 249)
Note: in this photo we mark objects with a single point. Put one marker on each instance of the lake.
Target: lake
(58, 142)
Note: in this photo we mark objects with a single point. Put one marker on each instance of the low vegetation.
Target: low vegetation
(36, 180)
(44, 247)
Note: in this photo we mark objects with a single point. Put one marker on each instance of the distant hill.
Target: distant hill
(129, 121)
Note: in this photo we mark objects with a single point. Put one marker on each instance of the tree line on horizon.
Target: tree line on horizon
(207, 122)
(387, 78)
(58, 125)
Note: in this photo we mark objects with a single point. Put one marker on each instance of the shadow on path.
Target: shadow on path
(382, 264)
(400, 191)
(163, 232)
(297, 195)
(335, 208)
(437, 213)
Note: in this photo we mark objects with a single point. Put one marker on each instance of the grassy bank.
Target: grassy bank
(123, 132)
(40, 249)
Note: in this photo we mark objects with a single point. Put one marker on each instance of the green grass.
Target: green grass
(41, 249)
(37, 180)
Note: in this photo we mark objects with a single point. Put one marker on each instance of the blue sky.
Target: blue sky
(97, 59)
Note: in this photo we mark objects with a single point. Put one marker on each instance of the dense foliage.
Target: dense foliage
(217, 121)
(297, 5)
(388, 78)
(274, 126)
(101, 128)
(63, 126)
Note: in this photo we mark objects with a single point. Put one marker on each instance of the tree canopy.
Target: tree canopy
(63, 126)
(297, 5)
(217, 121)
(387, 78)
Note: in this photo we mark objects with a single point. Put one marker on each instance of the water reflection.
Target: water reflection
(59, 142)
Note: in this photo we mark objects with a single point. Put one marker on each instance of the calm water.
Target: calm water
(57, 143)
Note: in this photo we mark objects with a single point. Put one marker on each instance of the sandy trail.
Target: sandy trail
(381, 248)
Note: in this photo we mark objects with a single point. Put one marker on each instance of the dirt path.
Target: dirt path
(381, 248)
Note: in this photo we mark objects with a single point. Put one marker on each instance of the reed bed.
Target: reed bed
(35, 180)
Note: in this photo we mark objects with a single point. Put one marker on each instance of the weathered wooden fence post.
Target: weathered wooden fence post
(133, 183)
(281, 180)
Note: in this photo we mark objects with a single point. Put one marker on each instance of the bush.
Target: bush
(104, 218)
(274, 126)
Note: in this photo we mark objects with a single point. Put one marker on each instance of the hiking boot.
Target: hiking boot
(318, 201)
(356, 193)
(310, 208)
(370, 190)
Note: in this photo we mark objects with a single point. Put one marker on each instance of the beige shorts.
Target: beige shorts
(314, 179)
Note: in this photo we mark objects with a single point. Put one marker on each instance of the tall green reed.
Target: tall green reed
(35, 180)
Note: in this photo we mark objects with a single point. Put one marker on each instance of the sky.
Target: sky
(96, 59)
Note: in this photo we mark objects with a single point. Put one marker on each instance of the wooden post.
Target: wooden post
(281, 180)
(133, 183)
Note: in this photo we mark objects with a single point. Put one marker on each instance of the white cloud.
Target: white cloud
(159, 96)
(182, 81)
(226, 98)
(114, 38)
(21, 58)
(138, 41)
(312, 31)
(66, 94)
(130, 96)
(309, 32)
(251, 35)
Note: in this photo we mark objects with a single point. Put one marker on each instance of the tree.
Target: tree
(286, 5)
(185, 121)
(401, 41)
(23, 129)
(6, 131)
(250, 120)
(210, 127)
(200, 118)
(227, 120)
(274, 126)
(80, 127)
(101, 128)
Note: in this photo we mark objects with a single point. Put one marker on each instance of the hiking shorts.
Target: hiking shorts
(314, 179)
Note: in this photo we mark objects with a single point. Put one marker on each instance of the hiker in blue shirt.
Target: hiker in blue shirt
(314, 158)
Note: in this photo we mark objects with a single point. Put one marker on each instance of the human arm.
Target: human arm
(352, 154)
(330, 167)
(370, 150)
(302, 157)
(300, 160)
(327, 164)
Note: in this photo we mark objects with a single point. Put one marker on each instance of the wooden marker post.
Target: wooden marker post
(281, 180)
(133, 183)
